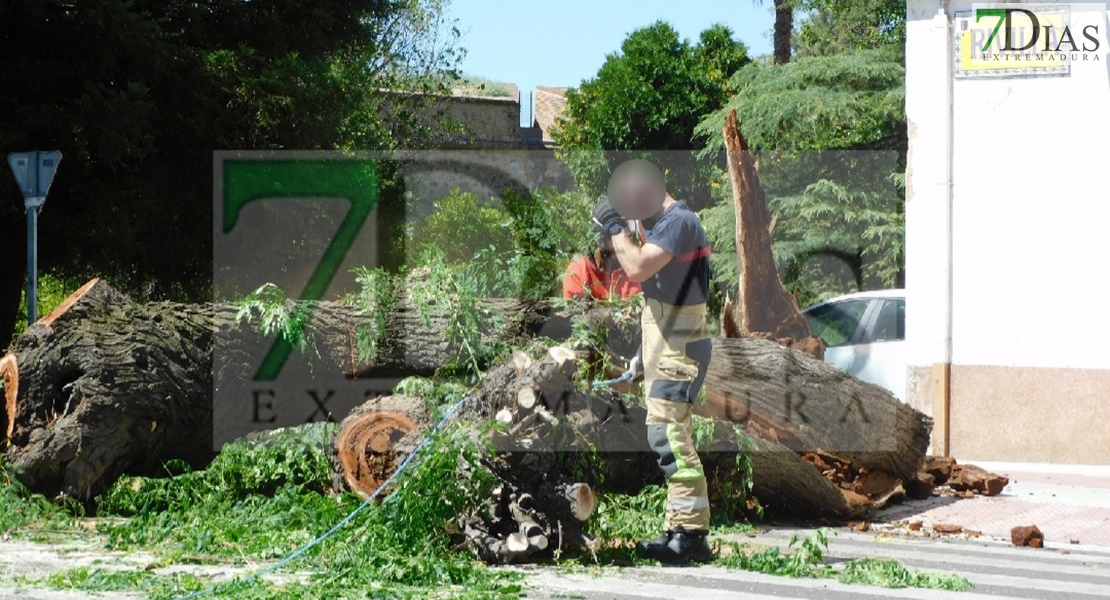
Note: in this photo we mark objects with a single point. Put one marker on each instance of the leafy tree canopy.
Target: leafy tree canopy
(850, 100)
(647, 97)
(836, 26)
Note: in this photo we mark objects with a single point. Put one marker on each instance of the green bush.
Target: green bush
(460, 226)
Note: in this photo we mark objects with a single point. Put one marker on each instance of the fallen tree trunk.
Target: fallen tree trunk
(107, 386)
(104, 386)
(797, 405)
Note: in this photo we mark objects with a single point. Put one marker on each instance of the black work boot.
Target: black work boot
(678, 546)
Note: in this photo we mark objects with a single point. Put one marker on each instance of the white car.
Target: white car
(866, 336)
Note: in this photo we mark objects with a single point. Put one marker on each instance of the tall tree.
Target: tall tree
(783, 36)
(648, 97)
(834, 26)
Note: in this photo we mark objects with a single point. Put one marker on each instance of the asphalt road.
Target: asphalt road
(996, 568)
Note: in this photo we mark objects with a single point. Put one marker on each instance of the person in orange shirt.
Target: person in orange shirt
(600, 274)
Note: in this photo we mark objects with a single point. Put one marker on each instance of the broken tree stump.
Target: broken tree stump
(763, 307)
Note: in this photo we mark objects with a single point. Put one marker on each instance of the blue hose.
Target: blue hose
(299, 551)
(627, 376)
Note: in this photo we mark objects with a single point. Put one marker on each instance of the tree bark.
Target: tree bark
(783, 31)
(765, 307)
(108, 386)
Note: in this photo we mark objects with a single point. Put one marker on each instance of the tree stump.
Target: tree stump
(763, 307)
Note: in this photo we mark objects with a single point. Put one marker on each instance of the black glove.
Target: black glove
(606, 219)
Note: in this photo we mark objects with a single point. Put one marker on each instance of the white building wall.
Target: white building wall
(1025, 227)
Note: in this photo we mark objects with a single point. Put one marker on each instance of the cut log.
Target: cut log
(369, 440)
(763, 304)
(108, 386)
(582, 500)
(808, 405)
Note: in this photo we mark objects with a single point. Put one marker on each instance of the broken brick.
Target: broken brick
(947, 528)
(970, 477)
(1027, 535)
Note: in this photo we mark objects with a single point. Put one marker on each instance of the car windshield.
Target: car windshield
(890, 323)
(836, 323)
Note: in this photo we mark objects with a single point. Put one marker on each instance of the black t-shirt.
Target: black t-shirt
(685, 279)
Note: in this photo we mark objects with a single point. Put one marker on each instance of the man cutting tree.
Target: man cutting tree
(672, 267)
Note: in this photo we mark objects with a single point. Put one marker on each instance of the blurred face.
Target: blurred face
(642, 195)
(637, 189)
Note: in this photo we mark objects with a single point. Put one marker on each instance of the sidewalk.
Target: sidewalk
(1067, 502)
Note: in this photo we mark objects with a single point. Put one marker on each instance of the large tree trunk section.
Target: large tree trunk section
(797, 406)
(765, 308)
(107, 386)
(104, 386)
(369, 440)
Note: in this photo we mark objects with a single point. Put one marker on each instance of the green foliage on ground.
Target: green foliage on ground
(262, 499)
(20, 509)
(630, 518)
(102, 579)
(807, 559)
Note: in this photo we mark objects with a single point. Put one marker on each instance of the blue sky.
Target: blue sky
(562, 42)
